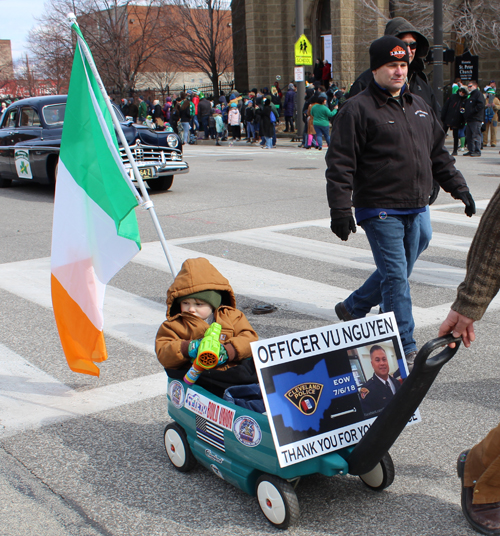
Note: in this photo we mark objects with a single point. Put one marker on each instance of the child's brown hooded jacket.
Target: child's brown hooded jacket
(173, 337)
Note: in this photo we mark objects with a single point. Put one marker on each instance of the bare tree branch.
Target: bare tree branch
(476, 23)
(204, 42)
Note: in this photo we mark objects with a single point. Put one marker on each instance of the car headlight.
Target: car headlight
(172, 140)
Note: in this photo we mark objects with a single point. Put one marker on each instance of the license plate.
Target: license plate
(146, 173)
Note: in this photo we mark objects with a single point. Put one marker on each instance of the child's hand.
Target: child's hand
(223, 357)
(193, 349)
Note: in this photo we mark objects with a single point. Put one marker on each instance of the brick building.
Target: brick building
(141, 39)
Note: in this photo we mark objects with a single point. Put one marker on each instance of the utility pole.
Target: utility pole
(301, 86)
(438, 51)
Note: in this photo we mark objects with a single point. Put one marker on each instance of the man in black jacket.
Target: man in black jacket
(386, 148)
(474, 116)
(419, 47)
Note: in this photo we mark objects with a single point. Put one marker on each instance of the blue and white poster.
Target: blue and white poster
(323, 388)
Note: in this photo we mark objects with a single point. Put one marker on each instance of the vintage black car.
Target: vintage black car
(30, 138)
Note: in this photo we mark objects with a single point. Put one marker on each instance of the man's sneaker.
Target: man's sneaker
(410, 359)
(342, 312)
(468, 153)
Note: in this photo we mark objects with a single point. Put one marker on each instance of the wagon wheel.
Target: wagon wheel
(277, 500)
(178, 449)
(381, 476)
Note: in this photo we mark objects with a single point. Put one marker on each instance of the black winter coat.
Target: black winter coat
(385, 156)
(474, 106)
(157, 112)
(249, 114)
(452, 114)
(290, 103)
(266, 126)
(418, 85)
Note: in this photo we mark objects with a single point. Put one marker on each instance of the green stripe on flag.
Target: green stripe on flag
(88, 156)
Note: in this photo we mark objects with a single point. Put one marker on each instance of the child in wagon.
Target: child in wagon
(200, 295)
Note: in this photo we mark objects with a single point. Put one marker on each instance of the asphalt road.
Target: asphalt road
(85, 456)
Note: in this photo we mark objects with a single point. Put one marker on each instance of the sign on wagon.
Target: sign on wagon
(324, 387)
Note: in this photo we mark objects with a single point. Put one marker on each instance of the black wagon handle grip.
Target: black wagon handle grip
(426, 363)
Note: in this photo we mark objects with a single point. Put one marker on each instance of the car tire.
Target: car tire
(381, 476)
(162, 184)
(5, 183)
(277, 500)
(177, 447)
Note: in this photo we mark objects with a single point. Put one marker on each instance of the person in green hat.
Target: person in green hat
(199, 296)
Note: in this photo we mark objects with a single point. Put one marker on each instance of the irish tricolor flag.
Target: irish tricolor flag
(95, 230)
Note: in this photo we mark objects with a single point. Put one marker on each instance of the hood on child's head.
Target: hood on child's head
(198, 275)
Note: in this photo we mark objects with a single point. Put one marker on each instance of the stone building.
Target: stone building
(339, 30)
(6, 65)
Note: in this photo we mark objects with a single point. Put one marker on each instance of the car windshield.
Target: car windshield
(54, 114)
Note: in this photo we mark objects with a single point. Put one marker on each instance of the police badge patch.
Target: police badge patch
(305, 397)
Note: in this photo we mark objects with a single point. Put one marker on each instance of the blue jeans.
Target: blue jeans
(396, 243)
(320, 132)
(250, 130)
(204, 125)
(185, 132)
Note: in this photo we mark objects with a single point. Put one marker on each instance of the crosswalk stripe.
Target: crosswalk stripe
(289, 292)
(29, 397)
(31, 280)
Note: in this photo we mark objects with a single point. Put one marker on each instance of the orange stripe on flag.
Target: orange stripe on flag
(82, 342)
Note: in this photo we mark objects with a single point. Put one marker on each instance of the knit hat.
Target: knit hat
(387, 49)
(212, 297)
(290, 85)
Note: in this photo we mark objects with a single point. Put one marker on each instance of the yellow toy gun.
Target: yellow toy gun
(208, 353)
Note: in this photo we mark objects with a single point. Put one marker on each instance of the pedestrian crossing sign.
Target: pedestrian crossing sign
(303, 51)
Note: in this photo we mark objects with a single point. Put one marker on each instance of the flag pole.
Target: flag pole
(146, 203)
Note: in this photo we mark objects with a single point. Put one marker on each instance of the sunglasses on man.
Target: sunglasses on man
(412, 45)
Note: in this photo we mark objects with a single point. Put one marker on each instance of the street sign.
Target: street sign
(303, 51)
(299, 74)
(467, 67)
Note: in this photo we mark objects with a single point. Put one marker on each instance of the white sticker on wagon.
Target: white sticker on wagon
(213, 456)
(176, 392)
(216, 470)
(247, 431)
(210, 410)
(22, 160)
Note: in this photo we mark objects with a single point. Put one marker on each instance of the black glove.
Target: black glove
(342, 227)
(435, 192)
(466, 198)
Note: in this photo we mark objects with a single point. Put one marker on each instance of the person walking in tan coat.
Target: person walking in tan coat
(479, 467)
(491, 116)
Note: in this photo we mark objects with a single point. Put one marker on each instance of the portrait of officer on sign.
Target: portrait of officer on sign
(378, 390)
